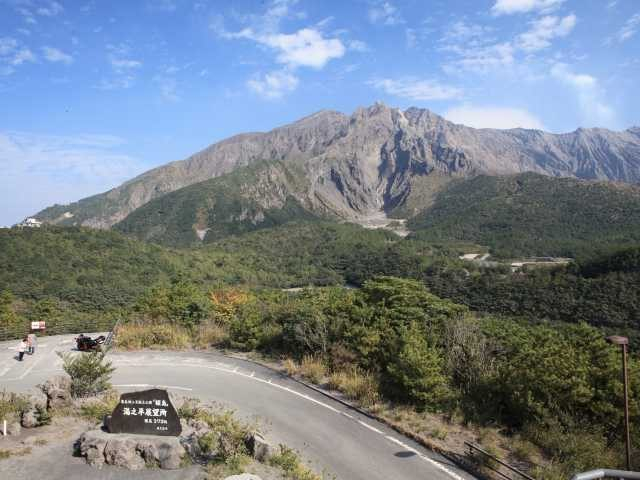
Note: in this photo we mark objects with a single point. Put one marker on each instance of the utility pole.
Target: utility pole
(623, 342)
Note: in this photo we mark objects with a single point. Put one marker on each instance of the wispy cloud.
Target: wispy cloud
(416, 89)
(595, 110)
(544, 30)
(55, 55)
(273, 85)
(123, 68)
(385, 13)
(49, 9)
(30, 10)
(40, 170)
(629, 29)
(508, 7)
(12, 54)
(493, 117)
(307, 47)
(476, 48)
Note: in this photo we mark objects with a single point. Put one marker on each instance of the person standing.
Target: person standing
(22, 346)
(31, 343)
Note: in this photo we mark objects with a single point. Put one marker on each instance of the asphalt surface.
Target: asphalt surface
(333, 438)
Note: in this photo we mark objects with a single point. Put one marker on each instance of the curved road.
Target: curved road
(333, 437)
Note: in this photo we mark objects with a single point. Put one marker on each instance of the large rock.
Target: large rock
(123, 452)
(30, 418)
(133, 452)
(91, 446)
(244, 476)
(58, 391)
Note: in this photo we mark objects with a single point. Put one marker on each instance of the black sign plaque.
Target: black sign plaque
(148, 412)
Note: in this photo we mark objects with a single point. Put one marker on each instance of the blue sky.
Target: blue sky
(95, 92)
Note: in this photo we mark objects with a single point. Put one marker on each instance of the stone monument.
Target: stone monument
(148, 412)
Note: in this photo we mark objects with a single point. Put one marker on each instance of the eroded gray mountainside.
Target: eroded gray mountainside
(377, 159)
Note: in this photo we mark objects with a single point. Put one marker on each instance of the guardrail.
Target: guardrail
(606, 473)
(112, 332)
(59, 327)
(475, 449)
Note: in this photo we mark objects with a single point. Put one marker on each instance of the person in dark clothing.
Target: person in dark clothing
(22, 346)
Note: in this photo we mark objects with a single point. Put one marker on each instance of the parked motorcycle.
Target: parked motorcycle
(85, 343)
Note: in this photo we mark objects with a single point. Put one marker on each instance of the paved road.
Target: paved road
(333, 437)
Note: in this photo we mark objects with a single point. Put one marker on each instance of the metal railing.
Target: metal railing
(606, 473)
(111, 335)
(59, 327)
(475, 449)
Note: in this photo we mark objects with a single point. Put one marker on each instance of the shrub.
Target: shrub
(416, 372)
(189, 408)
(356, 384)
(132, 336)
(312, 369)
(227, 436)
(289, 461)
(290, 366)
(43, 415)
(12, 405)
(97, 410)
(90, 372)
(210, 334)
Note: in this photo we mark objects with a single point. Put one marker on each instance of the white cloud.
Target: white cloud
(7, 45)
(483, 58)
(54, 55)
(493, 117)
(385, 13)
(508, 7)
(124, 63)
(123, 67)
(595, 111)
(306, 47)
(13, 54)
(39, 170)
(273, 85)
(50, 9)
(545, 29)
(416, 89)
(629, 29)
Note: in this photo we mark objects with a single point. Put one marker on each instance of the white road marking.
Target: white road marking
(3, 372)
(373, 429)
(146, 385)
(28, 370)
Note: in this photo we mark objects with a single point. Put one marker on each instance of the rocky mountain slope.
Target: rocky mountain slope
(378, 158)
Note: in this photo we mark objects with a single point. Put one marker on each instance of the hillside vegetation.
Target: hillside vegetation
(250, 198)
(531, 214)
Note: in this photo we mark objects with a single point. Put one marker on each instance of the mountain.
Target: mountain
(377, 159)
(532, 214)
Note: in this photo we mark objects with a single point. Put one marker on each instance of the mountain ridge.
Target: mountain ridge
(371, 160)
